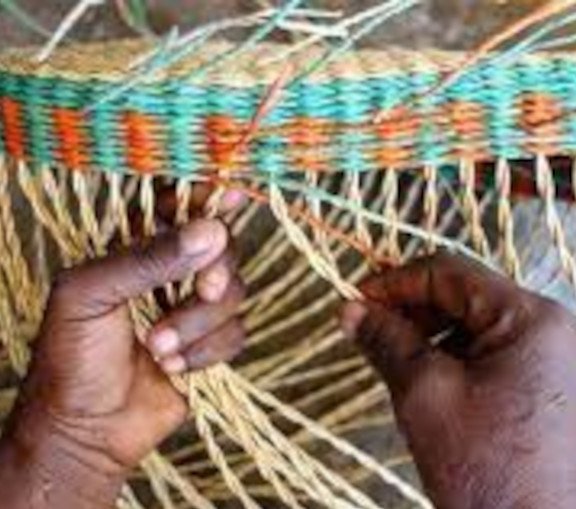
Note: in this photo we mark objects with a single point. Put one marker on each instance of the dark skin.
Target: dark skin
(489, 413)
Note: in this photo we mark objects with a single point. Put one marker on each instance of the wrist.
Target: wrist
(46, 463)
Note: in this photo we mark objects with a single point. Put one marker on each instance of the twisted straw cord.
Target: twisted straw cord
(314, 374)
(87, 215)
(321, 238)
(58, 201)
(116, 209)
(16, 269)
(159, 466)
(268, 460)
(390, 190)
(241, 222)
(471, 209)
(271, 252)
(547, 190)
(158, 484)
(430, 203)
(128, 499)
(355, 193)
(302, 462)
(41, 268)
(275, 246)
(18, 351)
(331, 296)
(266, 450)
(214, 451)
(263, 369)
(293, 415)
(349, 409)
(298, 273)
(319, 262)
(30, 189)
(259, 315)
(305, 354)
(506, 220)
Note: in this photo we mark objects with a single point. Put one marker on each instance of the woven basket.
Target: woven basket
(82, 140)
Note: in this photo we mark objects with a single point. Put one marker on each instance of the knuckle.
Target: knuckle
(65, 284)
(147, 264)
(436, 262)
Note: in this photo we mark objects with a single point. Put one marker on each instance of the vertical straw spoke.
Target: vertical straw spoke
(390, 190)
(298, 237)
(547, 190)
(471, 208)
(430, 205)
(16, 270)
(506, 220)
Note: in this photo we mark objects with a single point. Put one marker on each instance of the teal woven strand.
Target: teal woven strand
(181, 132)
(105, 135)
(500, 101)
(566, 86)
(270, 157)
(429, 151)
(181, 109)
(39, 126)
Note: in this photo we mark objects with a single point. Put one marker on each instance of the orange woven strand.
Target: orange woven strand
(298, 212)
(307, 136)
(396, 131)
(69, 127)
(143, 150)
(11, 112)
(467, 118)
(223, 136)
(540, 116)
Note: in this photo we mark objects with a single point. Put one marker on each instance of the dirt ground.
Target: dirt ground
(443, 23)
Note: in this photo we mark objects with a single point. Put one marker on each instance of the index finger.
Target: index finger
(101, 285)
(459, 288)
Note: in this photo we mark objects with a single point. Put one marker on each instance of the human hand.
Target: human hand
(96, 401)
(489, 413)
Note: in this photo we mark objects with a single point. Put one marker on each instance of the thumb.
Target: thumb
(394, 345)
(99, 286)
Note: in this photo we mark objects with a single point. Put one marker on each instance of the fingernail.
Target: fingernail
(174, 365)
(203, 235)
(351, 317)
(164, 342)
(233, 199)
(212, 285)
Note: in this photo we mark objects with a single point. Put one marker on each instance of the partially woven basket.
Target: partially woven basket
(82, 140)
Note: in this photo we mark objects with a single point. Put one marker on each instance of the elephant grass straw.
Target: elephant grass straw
(80, 148)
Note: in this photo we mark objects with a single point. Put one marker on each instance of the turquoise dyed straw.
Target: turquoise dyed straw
(258, 35)
(147, 69)
(530, 42)
(354, 208)
(395, 8)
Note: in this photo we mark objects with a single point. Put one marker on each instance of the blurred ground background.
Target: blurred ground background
(444, 23)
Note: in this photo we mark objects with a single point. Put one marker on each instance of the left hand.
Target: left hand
(96, 401)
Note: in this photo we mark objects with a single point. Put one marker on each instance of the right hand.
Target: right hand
(490, 413)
